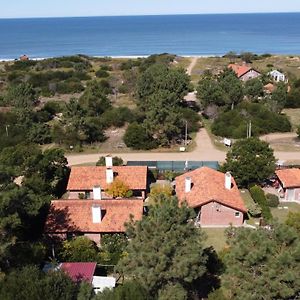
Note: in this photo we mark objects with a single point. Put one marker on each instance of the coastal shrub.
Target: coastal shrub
(53, 107)
(259, 197)
(137, 138)
(272, 200)
(129, 64)
(233, 123)
(102, 74)
(70, 86)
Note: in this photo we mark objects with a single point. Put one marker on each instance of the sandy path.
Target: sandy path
(191, 66)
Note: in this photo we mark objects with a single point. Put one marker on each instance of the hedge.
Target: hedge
(259, 197)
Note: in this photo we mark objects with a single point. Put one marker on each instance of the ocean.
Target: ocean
(189, 35)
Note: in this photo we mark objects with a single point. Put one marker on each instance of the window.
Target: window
(237, 214)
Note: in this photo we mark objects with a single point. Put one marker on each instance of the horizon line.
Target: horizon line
(152, 15)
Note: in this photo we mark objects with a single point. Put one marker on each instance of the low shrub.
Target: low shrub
(102, 74)
(254, 210)
(259, 197)
(272, 200)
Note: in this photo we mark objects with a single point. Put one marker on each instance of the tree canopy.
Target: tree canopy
(166, 251)
(262, 263)
(250, 161)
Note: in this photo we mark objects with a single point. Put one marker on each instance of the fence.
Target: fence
(175, 166)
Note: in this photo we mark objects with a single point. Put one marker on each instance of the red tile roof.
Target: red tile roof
(290, 178)
(85, 178)
(76, 215)
(239, 70)
(80, 271)
(209, 185)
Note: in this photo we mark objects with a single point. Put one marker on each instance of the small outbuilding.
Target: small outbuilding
(277, 76)
(289, 184)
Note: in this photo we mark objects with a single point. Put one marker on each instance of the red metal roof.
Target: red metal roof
(79, 271)
(239, 70)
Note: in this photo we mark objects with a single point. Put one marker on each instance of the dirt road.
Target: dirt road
(204, 150)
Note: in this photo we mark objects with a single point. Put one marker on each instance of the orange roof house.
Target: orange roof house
(85, 179)
(91, 217)
(214, 195)
(24, 58)
(244, 72)
(289, 181)
(269, 88)
(289, 178)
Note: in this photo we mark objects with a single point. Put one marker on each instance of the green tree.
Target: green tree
(293, 220)
(21, 96)
(232, 87)
(250, 161)
(37, 285)
(254, 88)
(130, 290)
(209, 91)
(160, 77)
(79, 249)
(137, 138)
(279, 97)
(165, 249)
(163, 119)
(262, 263)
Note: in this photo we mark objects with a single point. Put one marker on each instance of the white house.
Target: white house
(277, 76)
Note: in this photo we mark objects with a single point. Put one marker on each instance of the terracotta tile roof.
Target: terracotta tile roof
(76, 215)
(208, 185)
(239, 70)
(270, 87)
(79, 271)
(289, 178)
(85, 178)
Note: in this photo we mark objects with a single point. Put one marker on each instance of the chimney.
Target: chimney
(188, 184)
(228, 181)
(96, 214)
(109, 176)
(97, 192)
(108, 161)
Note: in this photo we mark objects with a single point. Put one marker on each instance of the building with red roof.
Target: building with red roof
(244, 72)
(91, 218)
(289, 184)
(93, 181)
(79, 271)
(214, 196)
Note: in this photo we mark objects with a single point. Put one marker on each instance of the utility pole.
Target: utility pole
(186, 132)
(250, 129)
(6, 129)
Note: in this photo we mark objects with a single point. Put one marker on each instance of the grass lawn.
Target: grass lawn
(249, 202)
(294, 116)
(281, 214)
(215, 238)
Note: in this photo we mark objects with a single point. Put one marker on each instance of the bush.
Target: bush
(272, 200)
(102, 74)
(117, 117)
(259, 197)
(254, 210)
(233, 123)
(117, 161)
(137, 138)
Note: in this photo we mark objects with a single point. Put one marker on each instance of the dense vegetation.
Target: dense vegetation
(250, 161)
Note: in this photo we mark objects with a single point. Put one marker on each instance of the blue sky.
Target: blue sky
(60, 8)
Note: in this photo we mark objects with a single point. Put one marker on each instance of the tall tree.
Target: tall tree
(250, 161)
(262, 264)
(165, 250)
